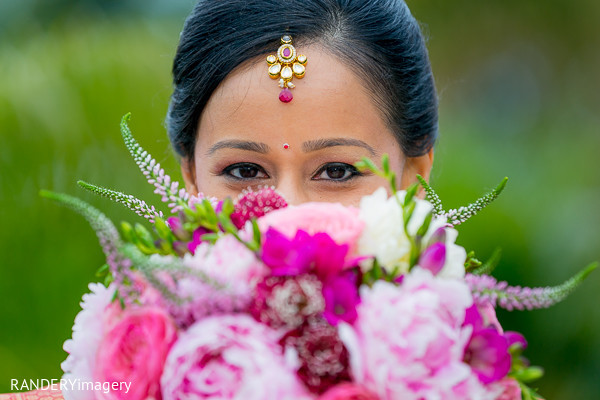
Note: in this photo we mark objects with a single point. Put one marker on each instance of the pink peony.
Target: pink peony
(134, 350)
(228, 260)
(348, 391)
(229, 357)
(87, 335)
(408, 341)
(341, 223)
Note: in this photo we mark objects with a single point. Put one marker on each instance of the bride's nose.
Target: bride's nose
(293, 192)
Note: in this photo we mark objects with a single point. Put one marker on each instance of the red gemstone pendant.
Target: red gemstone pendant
(286, 95)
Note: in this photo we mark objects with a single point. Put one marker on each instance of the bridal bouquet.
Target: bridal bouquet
(254, 299)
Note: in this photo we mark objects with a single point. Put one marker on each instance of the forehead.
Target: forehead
(330, 101)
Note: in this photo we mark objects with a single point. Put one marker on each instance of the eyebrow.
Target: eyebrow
(239, 144)
(307, 147)
(318, 144)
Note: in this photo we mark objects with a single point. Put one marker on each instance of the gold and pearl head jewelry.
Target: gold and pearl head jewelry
(285, 66)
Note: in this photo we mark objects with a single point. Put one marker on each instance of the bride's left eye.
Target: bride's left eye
(338, 172)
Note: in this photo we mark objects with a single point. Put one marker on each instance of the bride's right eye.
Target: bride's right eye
(244, 171)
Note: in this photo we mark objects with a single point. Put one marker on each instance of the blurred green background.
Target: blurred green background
(520, 97)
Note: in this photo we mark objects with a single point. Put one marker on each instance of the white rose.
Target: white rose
(385, 238)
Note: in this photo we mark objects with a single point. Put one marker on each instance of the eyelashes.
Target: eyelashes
(336, 172)
(244, 171)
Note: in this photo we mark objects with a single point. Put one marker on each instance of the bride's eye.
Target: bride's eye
(245, 171)
(339, 172)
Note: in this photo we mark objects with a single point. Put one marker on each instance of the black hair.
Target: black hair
(379, 39)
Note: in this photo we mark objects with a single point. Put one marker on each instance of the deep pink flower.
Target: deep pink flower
(487, 354)
(176, 227)
(286, 302)
(255, 204)
(330, 257)
(515, 337)
(288, 257)
(487, 350)
(134, 350)
(348, 391)
(197, 238)
(341, 298)
(324, 360)
(433, 258)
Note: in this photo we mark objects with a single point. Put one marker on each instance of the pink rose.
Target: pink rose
(229, 357)
(348, 391)
(340, 222)
(134, 350)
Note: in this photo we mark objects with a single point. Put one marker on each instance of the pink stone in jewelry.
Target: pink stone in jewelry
(286, 95)
(287, 52)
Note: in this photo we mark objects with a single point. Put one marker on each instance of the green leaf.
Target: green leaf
(102, 270)
(385, 162)
(490, 264)
(211, 237)
(529, 374)
(144, 235)
(163, 230)
(407, 213)
(371, 165)
(472, 263)
(227, 207)
(108, 279)
(410, 194)
(256, 232)
(425, 226)
(209, 212)
(114, 296)
(128, 232)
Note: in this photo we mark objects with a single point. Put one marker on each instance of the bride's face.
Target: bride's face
(330, 124)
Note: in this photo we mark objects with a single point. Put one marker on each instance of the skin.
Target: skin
(329, 125)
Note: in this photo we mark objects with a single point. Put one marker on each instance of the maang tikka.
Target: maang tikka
(285, 65)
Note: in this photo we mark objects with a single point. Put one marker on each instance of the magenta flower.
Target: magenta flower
(348, 391)
(514, 338)
(433, 258)
(197, 239)
(176, 227)
(288, 257)
(341, 298)
(330, 257)
(487, 354)
(487, 350)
